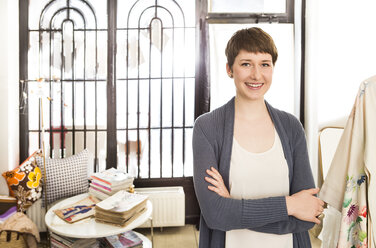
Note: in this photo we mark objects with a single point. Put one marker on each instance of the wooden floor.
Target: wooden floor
(180, 237)
(170, 237)
(184, 237)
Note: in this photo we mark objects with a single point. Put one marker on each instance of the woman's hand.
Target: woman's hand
(218, 186)
(305, 206)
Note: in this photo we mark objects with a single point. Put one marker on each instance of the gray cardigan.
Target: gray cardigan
(212, 146)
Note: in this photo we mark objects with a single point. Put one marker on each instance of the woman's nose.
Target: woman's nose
(255, 72)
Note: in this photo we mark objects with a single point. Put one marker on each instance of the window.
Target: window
(250, 6)
(224, 18)
(120, 79)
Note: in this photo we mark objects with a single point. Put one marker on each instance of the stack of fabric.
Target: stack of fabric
(106, 183)
(121, 208)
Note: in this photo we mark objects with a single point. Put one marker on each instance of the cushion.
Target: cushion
(65, 177)
(24, 182)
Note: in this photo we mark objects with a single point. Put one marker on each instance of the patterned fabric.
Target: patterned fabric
(24, 182)
(354, 163)
(354, 213)
(65, 177)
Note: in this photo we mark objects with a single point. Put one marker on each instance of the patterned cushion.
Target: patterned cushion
(65, 176)
(24, 182)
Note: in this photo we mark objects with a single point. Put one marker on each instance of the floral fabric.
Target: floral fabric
(353, 231)
(24, 182)
(350, 179)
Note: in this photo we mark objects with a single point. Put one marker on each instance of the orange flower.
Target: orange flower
(14, 176)
(34, 178)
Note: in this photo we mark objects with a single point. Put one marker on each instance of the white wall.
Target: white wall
(310, 95)
(340, 54)
(9, 79)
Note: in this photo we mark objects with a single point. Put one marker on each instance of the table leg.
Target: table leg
(151, 231)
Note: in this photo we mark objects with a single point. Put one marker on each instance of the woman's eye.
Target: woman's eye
(245, 64)
(265, 65)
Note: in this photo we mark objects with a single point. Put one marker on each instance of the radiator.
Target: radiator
(168, 206)
(36, 214)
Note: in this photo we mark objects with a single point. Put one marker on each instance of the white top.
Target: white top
(253, 176)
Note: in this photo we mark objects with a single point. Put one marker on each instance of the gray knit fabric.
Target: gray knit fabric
(212, 146)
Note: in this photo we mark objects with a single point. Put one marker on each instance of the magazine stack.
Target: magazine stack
(123, 240)
(121, 208)
(106, 183)
(58, 241)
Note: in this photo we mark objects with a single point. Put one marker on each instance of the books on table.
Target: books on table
(121, 208)
(113, 177)
(106, 183)
(97, 193)
(79, 210)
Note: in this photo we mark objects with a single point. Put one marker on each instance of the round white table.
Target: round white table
(89, 228)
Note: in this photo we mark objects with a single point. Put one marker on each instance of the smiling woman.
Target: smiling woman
(285, 82)
(245, 138)
(252, 73)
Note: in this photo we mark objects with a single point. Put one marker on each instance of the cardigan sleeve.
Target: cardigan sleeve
(292, 225)
(302, 177)
(225, 213)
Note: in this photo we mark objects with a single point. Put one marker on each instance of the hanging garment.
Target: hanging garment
(351, 175)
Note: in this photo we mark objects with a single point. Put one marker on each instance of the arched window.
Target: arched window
(120, 79)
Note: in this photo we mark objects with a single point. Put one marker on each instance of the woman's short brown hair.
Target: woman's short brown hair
(254, 40)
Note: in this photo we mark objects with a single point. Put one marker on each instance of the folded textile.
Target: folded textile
(20, 223)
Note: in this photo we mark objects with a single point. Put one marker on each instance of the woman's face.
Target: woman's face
(252, 73)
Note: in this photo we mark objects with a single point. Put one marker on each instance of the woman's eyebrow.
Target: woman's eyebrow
(264, 60)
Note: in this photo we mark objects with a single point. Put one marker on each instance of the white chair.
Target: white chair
(329, 137)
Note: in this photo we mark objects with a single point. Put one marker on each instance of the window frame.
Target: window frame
(111, 129)
(287, 17)
(290, 16)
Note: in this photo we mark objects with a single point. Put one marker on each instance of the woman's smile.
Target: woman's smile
(254, 86)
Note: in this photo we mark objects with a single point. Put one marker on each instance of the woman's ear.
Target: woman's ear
(229, 71)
